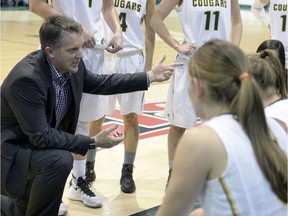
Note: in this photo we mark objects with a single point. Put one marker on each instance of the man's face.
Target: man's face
(67, 56)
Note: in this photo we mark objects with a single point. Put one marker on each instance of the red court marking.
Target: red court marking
(151, 123)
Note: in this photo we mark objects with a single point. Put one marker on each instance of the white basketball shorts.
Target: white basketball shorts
(92, 107)
(179, 110)
(131, 62)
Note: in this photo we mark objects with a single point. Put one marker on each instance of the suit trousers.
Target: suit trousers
(47, 176)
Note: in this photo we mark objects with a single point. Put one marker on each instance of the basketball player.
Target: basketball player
(87, 13)
(200, 22)
(235, 163)
(268, 71)
(131, 59)
(277, 21)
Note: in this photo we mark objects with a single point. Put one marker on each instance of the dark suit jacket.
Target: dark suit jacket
(28, 104)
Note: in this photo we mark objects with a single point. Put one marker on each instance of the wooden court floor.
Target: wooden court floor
(19, 36)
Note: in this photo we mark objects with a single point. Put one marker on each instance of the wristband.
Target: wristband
(92, 144)
(148, 79)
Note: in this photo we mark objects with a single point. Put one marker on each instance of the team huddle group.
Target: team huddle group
(95, 53)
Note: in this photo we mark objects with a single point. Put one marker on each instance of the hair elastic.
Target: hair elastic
(243, 75)
(262, 54)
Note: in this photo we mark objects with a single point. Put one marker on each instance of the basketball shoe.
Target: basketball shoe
(62, 209)
(90, 173)
(80, 191)
(126, 181)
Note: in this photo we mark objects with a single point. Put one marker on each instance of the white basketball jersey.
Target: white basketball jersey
(86, 12)
(278, 12)
(242, 189)
(131, 15)
(203, 20)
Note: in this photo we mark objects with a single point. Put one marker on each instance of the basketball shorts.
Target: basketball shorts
(123, 63)
(92, 107)
(179, 110)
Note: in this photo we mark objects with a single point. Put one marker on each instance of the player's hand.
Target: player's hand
(105, 140)
(161, 72)
(115, 44)
(89, 40)
(186, 48)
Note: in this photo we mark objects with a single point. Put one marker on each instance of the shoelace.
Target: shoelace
(128, 171)
(84, 186)
(89, 168)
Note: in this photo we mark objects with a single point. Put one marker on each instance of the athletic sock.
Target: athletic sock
(91, 154)
(129, 157)
(79, 168)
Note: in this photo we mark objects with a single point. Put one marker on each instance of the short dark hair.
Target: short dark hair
(53, 28)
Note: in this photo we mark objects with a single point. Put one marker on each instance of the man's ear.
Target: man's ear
(49, 52)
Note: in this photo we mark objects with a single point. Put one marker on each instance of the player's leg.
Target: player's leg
(95, 127)
(91, 108)
(131, 105)
(83, 128)
(107, 105)
(79, 189)
(174, 136)
(178, 110)
(131, 133)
